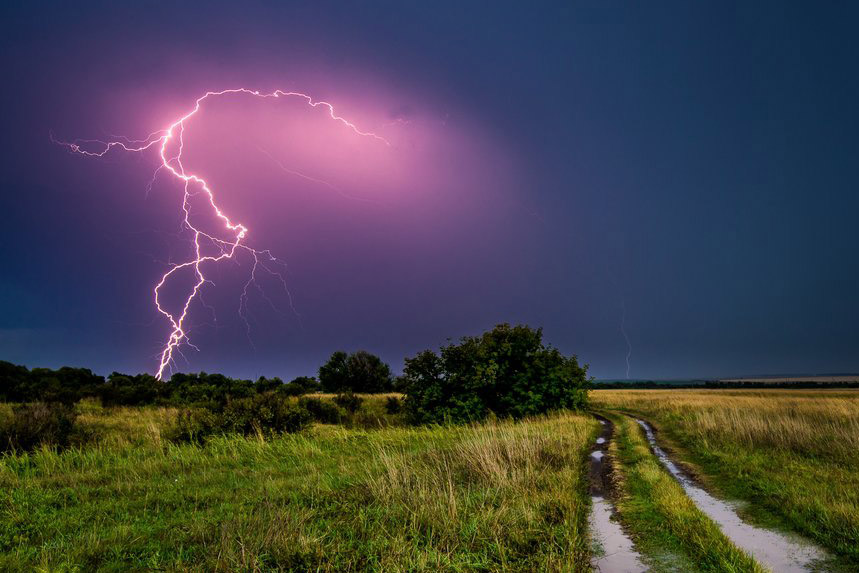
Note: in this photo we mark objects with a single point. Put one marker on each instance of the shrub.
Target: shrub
(393, 405)
(194, 425)
(268, 414)
(264, 414)
(125, 390)
(348, 401)
(309, 383)
(67, 385)
(369, 420)
(292, 390)
(507, 371)
(36, 424)
(323, 411)
(356, 372)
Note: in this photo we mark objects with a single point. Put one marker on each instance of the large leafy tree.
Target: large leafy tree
(507, 371)
(356, 372)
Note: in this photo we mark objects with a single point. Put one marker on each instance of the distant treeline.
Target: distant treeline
(507, 372)
(69, 385)
(356, 372)
(719, 384)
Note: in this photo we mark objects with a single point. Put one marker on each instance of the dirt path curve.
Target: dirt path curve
(616, 553)
(781, 553)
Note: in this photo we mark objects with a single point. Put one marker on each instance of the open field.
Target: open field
(374, 494)
(498, 496)
(791, 454)
(796, 379)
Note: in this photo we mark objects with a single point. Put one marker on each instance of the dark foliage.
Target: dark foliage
(66, 385)
(262, 414)
(266, 414)
(399, 384)
(393, 405)
(357, 372)
(323, 411)
(125, 390)
(348, 401)
(309, 383)
(194, 425)
(300, 386)
(69, 385)
(36, 424)
(291, 390)
(507, 371)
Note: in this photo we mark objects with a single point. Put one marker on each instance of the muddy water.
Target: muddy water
(616, 553)
(779, 552)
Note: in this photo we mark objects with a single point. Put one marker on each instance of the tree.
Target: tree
(356, 372)
(507, 371)
(309, 383)
(333, 374)
(126, 390)
(264, 384)
(299, 386)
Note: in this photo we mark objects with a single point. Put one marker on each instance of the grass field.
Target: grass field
(792, 454)
(498, 496)
(373, 494)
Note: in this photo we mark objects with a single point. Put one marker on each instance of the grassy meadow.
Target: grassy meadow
(372, 493)
(792, 454)
(376, 496)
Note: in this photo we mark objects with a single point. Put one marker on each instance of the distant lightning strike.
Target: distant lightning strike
(193, 185)
(625, 337)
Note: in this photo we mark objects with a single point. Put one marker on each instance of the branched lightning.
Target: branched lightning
(170, 145)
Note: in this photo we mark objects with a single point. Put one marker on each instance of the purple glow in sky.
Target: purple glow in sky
(306, 139)
(663, 201)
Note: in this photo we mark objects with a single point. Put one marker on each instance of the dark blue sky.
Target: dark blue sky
(695, 163)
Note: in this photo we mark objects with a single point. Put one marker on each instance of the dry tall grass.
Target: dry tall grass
(823, 423)
(499, 497)
(515, 485)
(792, 453)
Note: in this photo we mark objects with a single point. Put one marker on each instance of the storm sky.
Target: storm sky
(684, 170)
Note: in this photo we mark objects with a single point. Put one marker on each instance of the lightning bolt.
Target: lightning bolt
(170, 144)
(625, 337)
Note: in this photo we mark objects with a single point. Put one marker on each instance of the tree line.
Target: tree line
(357, 372)
(508, 371)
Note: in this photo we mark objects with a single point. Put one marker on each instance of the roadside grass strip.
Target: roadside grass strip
(661, 517)
(790, 454)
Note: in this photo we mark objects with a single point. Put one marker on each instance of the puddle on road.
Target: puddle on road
(616, 553)
(777, 551)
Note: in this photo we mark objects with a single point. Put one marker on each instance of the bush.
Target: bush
(292, 389)
(67, 385)
(309, 383)
(267, 414)
(323, 411)
(507, 372)
(125, 390)
(393, 405)
(194, 425)
(37, 424)
(356, 372)
(263, 414)
(348, 401)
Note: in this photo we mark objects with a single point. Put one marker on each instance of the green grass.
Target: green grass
(493, 497)
(790, 454)
(662, 519)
